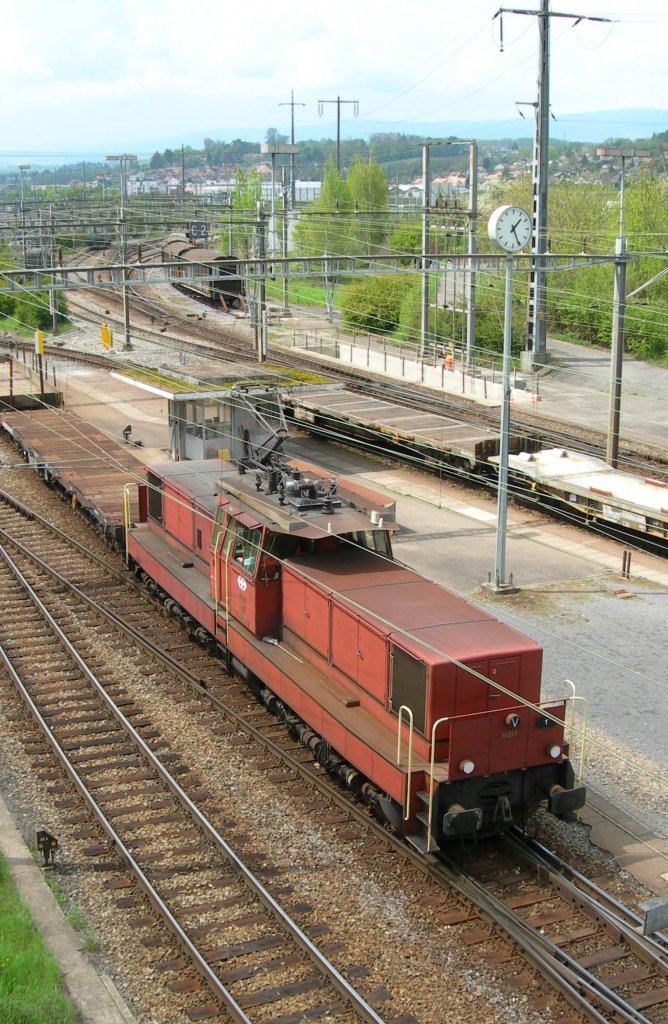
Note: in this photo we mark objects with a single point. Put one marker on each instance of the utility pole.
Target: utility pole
(22, 168)
(292, 106)
(274, 149)
(536, 343)
(339, 101)
(122, 226)
(53, 294)
(426, 203)
(183, 174)
(284, 240)
(618, 309)
(127, 345)
(472, 244)
(261, 303)
(122, 159)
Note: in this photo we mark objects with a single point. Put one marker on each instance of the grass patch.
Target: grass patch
(300, 293)
(295, 376)
(180, 385)
(160, 379)
(31, 989)
(14, 326)
(524, 600)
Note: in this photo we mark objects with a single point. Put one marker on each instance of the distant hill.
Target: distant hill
(594, 127)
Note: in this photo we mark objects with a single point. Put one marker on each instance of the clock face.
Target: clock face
(510, 227)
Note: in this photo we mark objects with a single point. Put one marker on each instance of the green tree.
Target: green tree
(406, 241)
(156, 162)
(368, 189)
(247, 194)
(586, 218)
(326, 225)
(273, 135)
(7, 262)
(214, 153)
(32, 310)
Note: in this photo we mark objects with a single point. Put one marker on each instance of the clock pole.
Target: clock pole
(499, 584)
(509, 227)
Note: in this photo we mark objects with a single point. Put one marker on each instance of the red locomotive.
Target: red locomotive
(426, 705)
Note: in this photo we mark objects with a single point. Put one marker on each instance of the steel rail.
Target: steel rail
(540, 857)
(550, 961)
(339, 983)
(578, 986)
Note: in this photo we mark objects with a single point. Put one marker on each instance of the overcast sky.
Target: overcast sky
(83, 76)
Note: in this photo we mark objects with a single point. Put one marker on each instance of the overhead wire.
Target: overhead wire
(600, 745)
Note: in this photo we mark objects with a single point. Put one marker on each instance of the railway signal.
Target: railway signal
(47, 846)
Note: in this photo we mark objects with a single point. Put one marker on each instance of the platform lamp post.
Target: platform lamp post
(618, 308)
(122, 158)
(22, 168)
(509, 228)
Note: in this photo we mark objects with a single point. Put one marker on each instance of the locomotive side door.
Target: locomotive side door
(245, 578)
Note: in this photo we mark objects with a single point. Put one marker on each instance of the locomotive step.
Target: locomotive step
(418, 841)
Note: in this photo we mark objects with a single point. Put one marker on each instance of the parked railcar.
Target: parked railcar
(594, 493)
(424, 704)
(194, 263)
(99, 236)
(592, 490)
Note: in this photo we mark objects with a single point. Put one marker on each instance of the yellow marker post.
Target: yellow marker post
(39, 349)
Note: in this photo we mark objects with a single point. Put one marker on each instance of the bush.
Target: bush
(374, 304)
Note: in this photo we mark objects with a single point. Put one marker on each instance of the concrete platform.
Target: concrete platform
(635, 848)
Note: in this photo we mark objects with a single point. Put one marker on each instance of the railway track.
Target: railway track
(170, 325)
(577, 936)
(172, 845)
(531, 425)
(149, 804)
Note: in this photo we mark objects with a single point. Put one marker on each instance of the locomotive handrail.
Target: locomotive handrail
(226, 559)
(126, 519)
(214, 552)
(409, 765)
(585, 721)
(432, 760)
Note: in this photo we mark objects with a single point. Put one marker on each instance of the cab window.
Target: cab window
(242, 545)
(372, 540)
